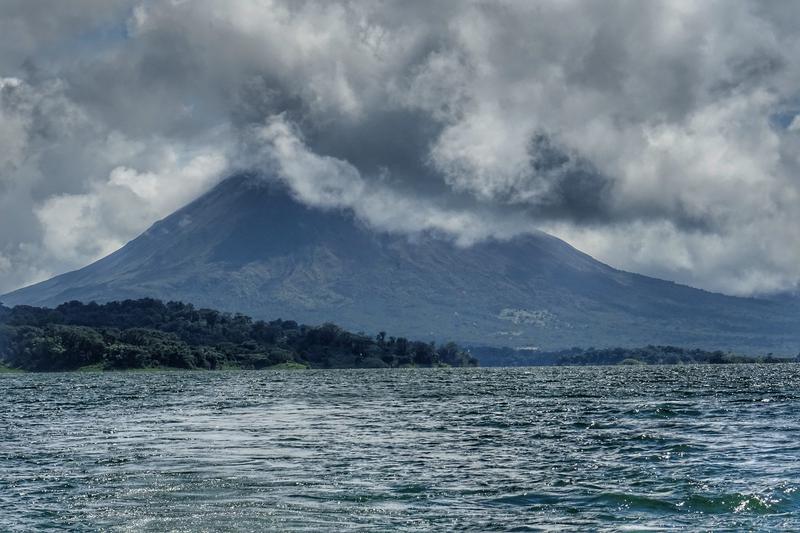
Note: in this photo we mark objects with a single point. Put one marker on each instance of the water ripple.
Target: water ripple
(690, 448)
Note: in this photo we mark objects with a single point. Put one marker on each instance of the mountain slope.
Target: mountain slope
(247, 246)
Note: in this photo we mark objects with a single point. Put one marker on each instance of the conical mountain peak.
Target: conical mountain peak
(247, 245)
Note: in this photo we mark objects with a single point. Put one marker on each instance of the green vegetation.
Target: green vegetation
(96, 367)
(648, 355)
(288, 366)
(630, 362)
(7, 369)
(147, 333)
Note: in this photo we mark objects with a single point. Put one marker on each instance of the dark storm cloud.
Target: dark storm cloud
(643, 132)
(580, 192)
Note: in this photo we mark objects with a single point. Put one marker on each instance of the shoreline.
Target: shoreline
(294, 367)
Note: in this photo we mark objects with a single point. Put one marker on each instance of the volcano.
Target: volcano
(248, 246)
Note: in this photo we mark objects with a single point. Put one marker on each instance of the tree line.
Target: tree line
(647, 355)
(149, 333)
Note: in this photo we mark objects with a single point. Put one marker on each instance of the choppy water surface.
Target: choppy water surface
(463, 449)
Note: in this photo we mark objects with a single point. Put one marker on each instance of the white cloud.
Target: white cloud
(84, 227)
(316, 180)
(327, 182)
(642, 132)
(74, 188)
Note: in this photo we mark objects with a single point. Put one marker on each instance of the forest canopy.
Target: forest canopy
(148, 333)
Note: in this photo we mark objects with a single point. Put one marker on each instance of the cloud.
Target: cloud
(320, 181)
(74, 188)
(12, 130)
(91, 225)
(643, 132)
(329, 183)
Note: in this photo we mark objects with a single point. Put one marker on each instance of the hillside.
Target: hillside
(248, 246)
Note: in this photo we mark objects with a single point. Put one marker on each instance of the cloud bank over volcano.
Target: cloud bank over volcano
(660, 137)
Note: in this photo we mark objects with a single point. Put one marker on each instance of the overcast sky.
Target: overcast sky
(659, 137)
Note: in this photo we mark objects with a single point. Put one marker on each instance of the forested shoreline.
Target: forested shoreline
(151, 334)
(148, 333)
(646, 355)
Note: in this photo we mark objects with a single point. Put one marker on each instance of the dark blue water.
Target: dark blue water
(688, 448)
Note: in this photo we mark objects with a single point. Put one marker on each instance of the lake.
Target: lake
(523, 449)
